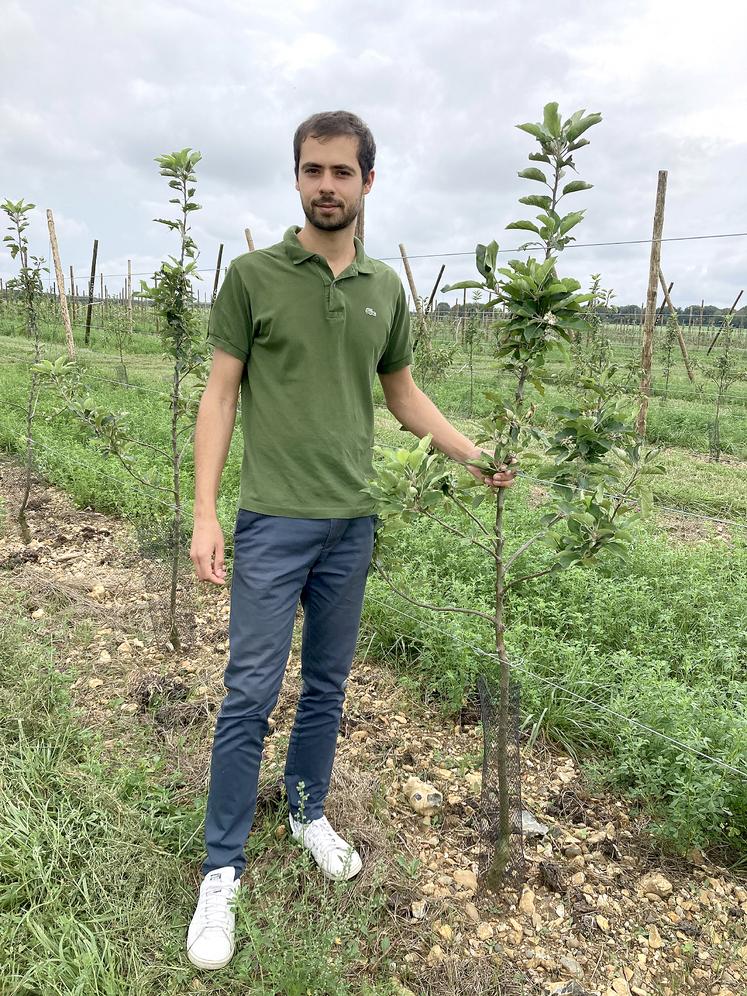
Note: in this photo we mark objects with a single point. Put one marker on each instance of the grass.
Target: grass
(662, 641)
(98, 860)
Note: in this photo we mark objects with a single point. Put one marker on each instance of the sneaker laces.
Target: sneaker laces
(320, 833)
(214, 905)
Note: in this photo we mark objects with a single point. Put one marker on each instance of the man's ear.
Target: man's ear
(369, 182)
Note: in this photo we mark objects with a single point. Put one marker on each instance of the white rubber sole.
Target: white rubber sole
(210, 965)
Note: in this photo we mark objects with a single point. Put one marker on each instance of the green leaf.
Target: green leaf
(570, 221)
(463, 285)
(533, 129)
(525, 226)
(551, 120)
(543, 201)
(580, 127)
(574, 185)
(532, 173)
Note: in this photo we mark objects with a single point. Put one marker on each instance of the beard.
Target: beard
(343, 217)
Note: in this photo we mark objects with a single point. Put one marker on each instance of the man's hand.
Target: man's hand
(503, 479)
(206, 552)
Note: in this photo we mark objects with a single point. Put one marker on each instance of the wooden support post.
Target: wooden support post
(61, 284)
(129, 297)
(663, 304)
(91, 284)
(72, 296)
(217, 273)
(360, 221)
(416, 299)
(653, 281)
(729, 312)
(249, 239)
(680, 337)
(435, 288)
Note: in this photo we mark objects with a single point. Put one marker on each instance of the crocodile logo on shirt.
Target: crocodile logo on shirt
(371, 312)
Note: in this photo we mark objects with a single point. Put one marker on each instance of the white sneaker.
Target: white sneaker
(210, 941)
(336, 858)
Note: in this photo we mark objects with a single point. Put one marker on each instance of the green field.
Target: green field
(662, 641)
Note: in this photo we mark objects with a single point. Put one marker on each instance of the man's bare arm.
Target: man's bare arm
(419, 415)
(213, 430)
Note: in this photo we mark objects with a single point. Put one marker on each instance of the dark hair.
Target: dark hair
(330, 124)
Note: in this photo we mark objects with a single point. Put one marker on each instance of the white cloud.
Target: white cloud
(442, 89)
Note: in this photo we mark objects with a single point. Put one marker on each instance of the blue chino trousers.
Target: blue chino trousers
(277, 560)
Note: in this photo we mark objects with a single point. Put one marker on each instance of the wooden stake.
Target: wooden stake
(217, 273)
(360, 221)
(61, 284)
(435, 288)
(683, 347)
(249, 239)
(416, 299)
(72, 296)
(729, 312)
(91, 284)
(129, 296)
(653, 279)
(663, 304)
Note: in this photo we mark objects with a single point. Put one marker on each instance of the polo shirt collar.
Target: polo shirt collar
(298, 254)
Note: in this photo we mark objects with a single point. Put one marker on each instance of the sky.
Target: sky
(91, 93)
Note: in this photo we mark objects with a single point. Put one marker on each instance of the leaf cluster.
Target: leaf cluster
(558, 140)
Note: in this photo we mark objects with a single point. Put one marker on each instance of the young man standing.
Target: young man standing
(300, 328)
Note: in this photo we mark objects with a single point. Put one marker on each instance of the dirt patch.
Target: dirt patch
(591, 919)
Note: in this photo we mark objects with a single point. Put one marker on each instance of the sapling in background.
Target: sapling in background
(119, 327)
(183, 341)
(668, 343)
(431, 359)
(28, 285)
(591, 460)
(724, 373)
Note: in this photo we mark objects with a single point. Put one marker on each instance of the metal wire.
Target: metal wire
(577, 245)
(522, 665)
(84, 466)
(582, 245)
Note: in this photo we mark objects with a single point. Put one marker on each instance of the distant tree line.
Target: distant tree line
(690, 314)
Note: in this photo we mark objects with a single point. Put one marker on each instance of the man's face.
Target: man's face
(330, 182)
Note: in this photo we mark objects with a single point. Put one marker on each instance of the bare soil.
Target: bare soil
(590, 920)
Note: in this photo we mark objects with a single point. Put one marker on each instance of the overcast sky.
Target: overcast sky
(91, 92)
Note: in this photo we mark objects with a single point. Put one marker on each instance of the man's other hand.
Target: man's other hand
(206, 552)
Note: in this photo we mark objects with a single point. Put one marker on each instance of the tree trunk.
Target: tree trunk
(499, 861)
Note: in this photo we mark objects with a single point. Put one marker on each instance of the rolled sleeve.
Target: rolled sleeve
(230, 322)
(398, 350)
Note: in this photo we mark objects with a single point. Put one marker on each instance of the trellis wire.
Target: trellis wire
(520, 664)
(84, 466)
(471, 252)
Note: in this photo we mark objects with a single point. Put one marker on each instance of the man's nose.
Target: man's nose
(326, 181)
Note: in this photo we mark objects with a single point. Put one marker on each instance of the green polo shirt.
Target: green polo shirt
(312, 344)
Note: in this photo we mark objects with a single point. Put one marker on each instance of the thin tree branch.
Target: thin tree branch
(457, 532)
(471, 514)
(137, 477)
(525, 546)
(528, 577)
(435, 608)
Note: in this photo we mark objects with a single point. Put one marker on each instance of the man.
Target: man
(300, 328)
